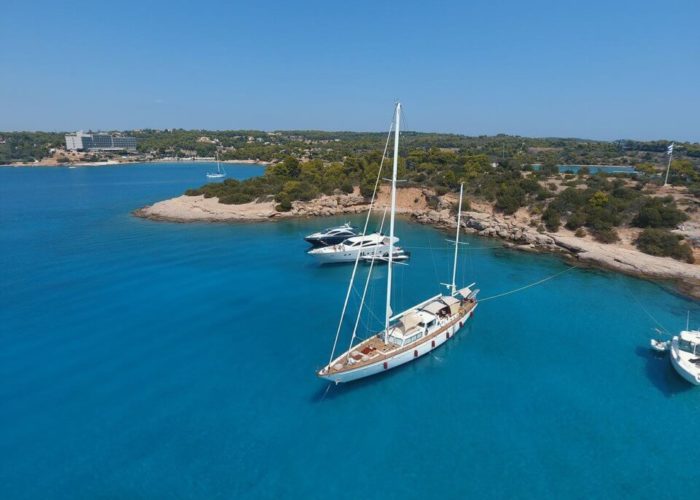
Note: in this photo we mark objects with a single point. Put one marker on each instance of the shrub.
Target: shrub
(285, 204)
(664, 243)
(658, 212)
(580, 233)
(433, 202)
(367, 188)
(236, 199)
(346, 187)
(607, 235)
(551, 219)
(441, 190)
(575, 220)
(193, 192)
(466, 206)
(509, 198)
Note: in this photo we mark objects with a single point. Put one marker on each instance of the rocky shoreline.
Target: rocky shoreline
(413, 202)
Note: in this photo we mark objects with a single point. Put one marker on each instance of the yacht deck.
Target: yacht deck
(374, 349)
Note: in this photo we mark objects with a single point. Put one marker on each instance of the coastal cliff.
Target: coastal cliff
(424, 207)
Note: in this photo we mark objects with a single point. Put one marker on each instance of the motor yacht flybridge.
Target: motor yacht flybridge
(412, 333)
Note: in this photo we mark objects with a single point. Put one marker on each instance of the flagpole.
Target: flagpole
(670, 158)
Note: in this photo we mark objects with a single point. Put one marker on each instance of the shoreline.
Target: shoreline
(412, 202)
(112, 163)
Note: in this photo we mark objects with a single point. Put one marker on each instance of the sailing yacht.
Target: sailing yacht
(409, 334)
(220, 172)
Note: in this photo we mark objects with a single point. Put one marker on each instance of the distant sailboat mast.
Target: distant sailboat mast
(389, 313)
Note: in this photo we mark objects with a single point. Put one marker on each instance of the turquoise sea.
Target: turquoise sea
(594, 169)
(143, 359)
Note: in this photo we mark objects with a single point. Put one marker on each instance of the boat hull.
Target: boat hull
(401, 358)
(677, 363)
(347, 255)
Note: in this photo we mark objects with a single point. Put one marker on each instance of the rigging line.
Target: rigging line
(451, 248)
(364, 232)
(528, 286)
(381, 321)
(432, 256)
(364, 292)
(641, 306)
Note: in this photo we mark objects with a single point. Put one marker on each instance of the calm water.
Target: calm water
(153, 360)
(594, 169)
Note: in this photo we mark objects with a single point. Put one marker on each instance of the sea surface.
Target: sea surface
(594, 169)
(143, 359)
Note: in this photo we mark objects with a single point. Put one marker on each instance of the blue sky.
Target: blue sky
(594, 69)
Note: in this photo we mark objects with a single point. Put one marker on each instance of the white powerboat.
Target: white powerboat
(332, 235)
(685, 355)
(348, 250)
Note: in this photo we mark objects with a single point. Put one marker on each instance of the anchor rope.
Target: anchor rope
(471, 249)
(528, 286)
(641, 306)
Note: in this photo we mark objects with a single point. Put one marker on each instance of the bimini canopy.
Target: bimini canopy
(436, 307)
(452, 303)
(409, 321)
(465, 292)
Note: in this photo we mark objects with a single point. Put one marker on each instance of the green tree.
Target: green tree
(664, 243)
(659, 212)
(551, 219)
(509, 198)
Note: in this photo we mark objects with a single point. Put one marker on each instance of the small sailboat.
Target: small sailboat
(331, 235)
(409, 334)
(220, 172)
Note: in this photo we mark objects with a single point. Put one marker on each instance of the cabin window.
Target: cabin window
(686, 346)
(413, 338)
(395, 340)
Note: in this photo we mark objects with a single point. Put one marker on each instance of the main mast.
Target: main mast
(459, 222)
(391, 222)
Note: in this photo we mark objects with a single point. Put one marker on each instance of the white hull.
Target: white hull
(684, 368)
(386, 364)
(348, 255)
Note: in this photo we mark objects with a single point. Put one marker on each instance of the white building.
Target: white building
(81, 141)
(74, 142)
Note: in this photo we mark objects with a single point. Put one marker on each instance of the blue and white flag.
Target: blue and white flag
(669, 151)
